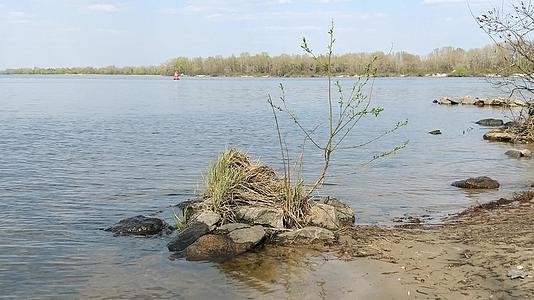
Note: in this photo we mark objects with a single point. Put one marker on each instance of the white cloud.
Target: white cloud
(103, 7)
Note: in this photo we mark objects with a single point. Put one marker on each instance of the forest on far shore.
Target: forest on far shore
(489, 60)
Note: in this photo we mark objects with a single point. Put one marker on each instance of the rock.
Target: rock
(490, 122)
(188, 235)
(467, 100)
(226, 228)
(192, 206)
(261, 216)
(499, 135)
(345, 214)
(208, 217)
(248, 235)
(306, 235)
(222, 246)
(516, 153)
(482, 182)
(211, 247)
(444, 100)
(323, 215)
(435, 132)
(138, 225)
(514, 274)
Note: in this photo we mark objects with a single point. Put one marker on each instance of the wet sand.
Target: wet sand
(468, 257)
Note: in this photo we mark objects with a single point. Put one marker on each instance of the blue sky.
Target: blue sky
(57, 33)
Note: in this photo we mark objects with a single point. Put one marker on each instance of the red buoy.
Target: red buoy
(176, 75)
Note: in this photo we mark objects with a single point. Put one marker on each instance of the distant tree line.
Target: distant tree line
(447, 60)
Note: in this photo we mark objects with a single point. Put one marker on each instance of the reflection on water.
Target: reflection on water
(78, 153)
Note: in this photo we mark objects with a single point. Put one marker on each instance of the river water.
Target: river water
(78, 153)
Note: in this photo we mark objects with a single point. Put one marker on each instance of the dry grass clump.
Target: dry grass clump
(235, 180)
(523, 130)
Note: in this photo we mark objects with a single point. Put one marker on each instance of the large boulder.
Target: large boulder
(490, 122)
(192, 232)
(323, 215)
(229, 241)
(138, 225)
(499, 135)
(345, 214)
(261, 216)
(306, 235)
(482, 182)
(518, 153)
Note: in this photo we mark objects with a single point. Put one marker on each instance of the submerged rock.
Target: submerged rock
(435, 132)
(499, 135)
(192, 232)
(138, 225)
(516, 153)
(490, 122)
(261, 216)
(306, 235)
(482, 182)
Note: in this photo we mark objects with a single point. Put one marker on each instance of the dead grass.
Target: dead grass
(235, 180)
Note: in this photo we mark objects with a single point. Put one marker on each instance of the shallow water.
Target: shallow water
(78, 153)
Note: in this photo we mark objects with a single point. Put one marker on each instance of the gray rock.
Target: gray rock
(188, 235)
(208, 217)
(482, 182)
(138, 225)
(261, 216)
(345, 214)
(306, 235)
(323, 215)
(226, 228)
(444, 100)
(490, 122)
(435, 132)
(499, 135)
(251, 235)
(514, 274)
(516, 153)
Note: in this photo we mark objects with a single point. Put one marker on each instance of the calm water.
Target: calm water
(78, 153)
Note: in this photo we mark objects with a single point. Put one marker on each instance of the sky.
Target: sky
(76, 33)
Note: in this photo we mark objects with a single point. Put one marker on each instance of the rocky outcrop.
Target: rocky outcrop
(490, 122)
(482, 182)
(468, 100)
(139, 225)
(267, 216)
(517, 153)
(306, 235)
